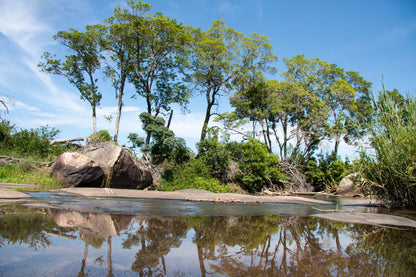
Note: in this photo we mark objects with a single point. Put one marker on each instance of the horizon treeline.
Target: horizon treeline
(167, 63)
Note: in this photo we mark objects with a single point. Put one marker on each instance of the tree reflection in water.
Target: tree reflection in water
(231, 246)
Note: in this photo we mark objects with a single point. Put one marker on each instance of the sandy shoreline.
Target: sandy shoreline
(10, 195)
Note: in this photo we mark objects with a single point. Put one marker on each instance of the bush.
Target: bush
(215, 155)
(391, 171)
(33, 142)
(193, 174)
(247, 164)
(257, 167)
(326, 173)
(100, 136)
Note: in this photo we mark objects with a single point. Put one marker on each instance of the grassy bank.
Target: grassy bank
(27, 173)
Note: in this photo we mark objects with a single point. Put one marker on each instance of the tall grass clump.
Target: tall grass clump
(390, 171)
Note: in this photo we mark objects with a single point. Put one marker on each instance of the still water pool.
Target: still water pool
(76, 236)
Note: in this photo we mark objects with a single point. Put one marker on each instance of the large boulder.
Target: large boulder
(74, 169)
(349, 186)
(115, 167)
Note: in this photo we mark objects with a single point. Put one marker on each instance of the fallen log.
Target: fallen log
(66, 141)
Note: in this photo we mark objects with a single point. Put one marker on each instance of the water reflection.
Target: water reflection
(130, 245)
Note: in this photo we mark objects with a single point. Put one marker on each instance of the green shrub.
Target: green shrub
(25, 143)
(326, 172)
(390, 170)
(100, 136)
(6, 130)
(257, 167)
(215, 154)
(193, 174)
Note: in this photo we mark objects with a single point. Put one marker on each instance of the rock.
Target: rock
(96, 226)
(367, 218)
(130, 174)
(102, 164)
(75, 169)
(347, 186)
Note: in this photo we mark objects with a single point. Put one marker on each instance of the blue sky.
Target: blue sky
(374, 37)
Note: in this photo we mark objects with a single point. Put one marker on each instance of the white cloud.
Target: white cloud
(18, 105)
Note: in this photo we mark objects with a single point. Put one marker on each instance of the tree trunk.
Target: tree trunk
(337, 142)
(269, 140)
(200, 256)
(94, 120)
(285, 141)
(149, 110)
(170, 119)
(119, 107)
(210, 103)
(109, 261)
(84, 259)
(205, 126)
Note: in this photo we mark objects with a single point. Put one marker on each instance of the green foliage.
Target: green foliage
(222, 57)
(33, 142)
(326, 172)
(257, 167)
(100, 136)
(215, 154)
(6, 130)
(193, 174)
(135, 140)
(391, 170)
(164, 145)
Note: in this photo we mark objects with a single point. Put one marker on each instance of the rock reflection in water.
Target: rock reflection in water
(230, 246)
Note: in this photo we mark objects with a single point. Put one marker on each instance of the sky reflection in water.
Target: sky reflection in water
(206, 240)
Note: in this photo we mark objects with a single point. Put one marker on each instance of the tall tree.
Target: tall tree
(221, 57)
(341, 92)
(283, 109)
(158, 52)
(78, 68)
(116, 41)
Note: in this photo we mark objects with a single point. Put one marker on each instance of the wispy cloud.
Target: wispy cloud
(19, 23)
(259, 9)
(228, 8)
(18, 105)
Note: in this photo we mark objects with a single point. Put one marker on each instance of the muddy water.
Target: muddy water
(75, 236)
